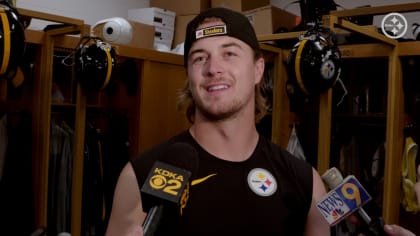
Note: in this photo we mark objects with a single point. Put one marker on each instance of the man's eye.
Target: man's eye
(199, 59)
(230, 54)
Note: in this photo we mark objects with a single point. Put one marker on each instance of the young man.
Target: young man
(249, 186)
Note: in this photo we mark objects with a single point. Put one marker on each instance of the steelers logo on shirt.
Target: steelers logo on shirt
(262, 182)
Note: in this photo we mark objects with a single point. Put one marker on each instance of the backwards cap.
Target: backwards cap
(236, 25)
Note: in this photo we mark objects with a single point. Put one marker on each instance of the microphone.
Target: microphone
(168, 183)
(346, 197)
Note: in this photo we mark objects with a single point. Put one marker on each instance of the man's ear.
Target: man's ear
(259, 70)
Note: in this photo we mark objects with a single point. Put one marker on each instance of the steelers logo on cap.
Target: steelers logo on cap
(262, 182)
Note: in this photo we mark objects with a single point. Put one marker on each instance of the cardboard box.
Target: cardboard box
(266, 20)
(164, 34)
(180, 28)
(153, 16)
(240, 5)
(162, 45)
(182, 7)
(143, 34)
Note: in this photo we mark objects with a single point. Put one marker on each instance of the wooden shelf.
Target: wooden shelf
(409, 48)
(148, 54)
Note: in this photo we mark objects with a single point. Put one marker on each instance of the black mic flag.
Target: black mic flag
(168, 182)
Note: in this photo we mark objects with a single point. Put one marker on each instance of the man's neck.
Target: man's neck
(233, 140)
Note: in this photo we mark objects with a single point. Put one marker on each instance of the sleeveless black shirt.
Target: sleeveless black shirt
(270, 193)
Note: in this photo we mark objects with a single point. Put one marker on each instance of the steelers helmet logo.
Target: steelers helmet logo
(328, 69)
(262, 182)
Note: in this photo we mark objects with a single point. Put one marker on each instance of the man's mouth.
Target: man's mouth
(217, 87)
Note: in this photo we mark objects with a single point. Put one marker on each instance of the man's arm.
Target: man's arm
(316, 225)
(127, 211)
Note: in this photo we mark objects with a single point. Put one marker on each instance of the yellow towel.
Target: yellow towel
(408, 171)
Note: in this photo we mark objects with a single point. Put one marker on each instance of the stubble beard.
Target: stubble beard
(219, 112)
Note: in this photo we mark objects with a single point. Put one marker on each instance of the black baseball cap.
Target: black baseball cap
(236, 25)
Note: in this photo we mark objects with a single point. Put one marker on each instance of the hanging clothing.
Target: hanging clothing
(60, 174)
(106, 153)
(408, 172)
(349, 161)
(378, 162)
(376, 175)
(93, 208)
(294, 145)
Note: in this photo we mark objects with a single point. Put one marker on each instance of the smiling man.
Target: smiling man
(242, 183)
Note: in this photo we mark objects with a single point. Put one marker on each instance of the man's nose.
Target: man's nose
(214, 66)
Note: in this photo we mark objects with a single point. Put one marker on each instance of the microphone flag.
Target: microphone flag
(343, 200)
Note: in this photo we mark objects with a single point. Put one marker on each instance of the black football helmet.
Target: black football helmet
(12, 41)
(314, 63)
(95, 63)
